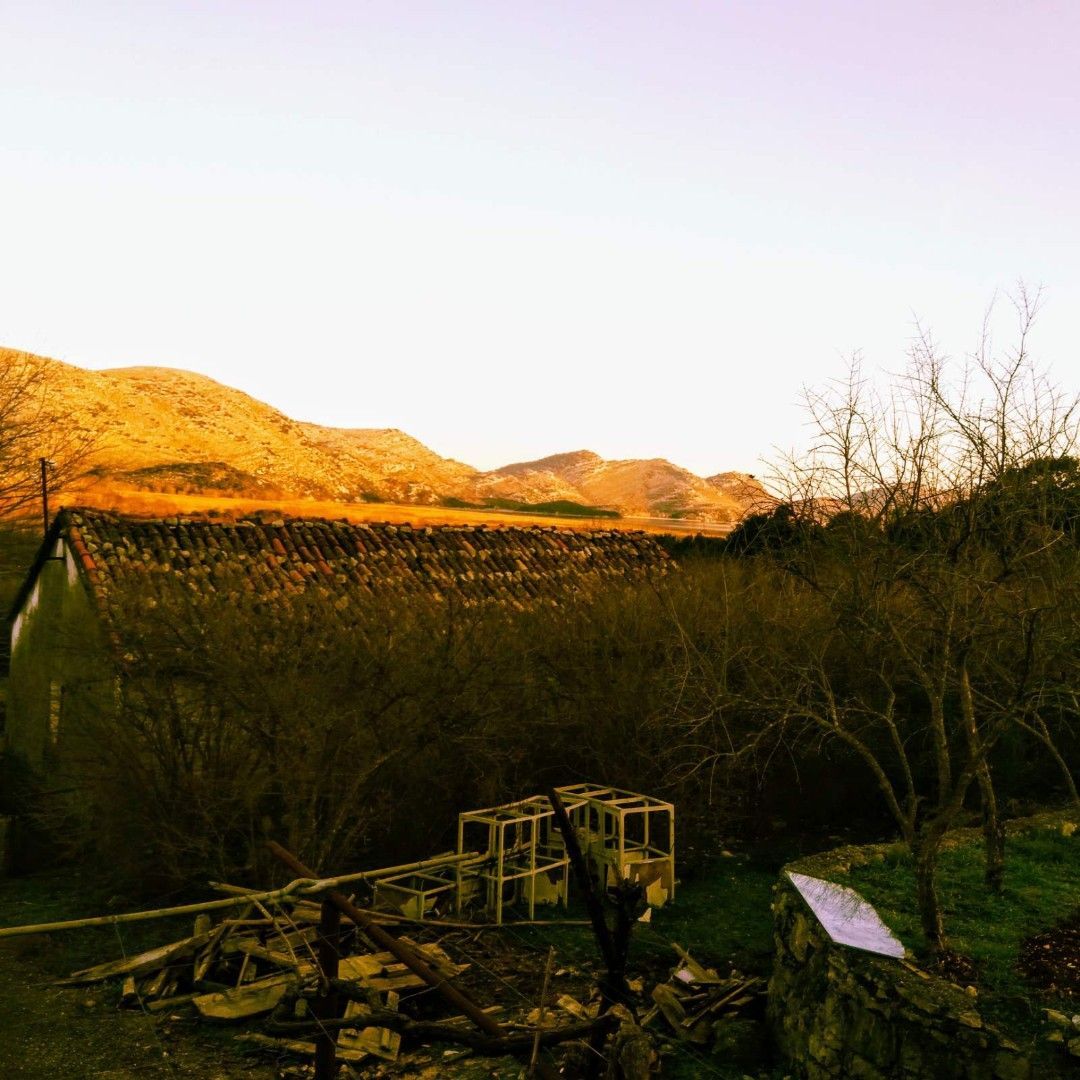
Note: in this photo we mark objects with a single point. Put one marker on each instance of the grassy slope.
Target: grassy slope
(1042, 886)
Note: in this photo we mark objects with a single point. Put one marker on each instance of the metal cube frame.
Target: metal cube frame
(415, 894)
(522, 842)
(628, 836)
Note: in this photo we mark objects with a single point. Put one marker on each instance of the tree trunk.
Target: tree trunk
(1042, 732)
(925, 851)
(993, 832)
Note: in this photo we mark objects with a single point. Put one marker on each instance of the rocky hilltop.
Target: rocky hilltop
(162, 429)
(653, 487)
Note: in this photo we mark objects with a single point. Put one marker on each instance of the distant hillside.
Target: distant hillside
(173, 431)
(653, 487)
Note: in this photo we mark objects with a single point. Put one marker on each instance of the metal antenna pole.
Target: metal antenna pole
(45, 492)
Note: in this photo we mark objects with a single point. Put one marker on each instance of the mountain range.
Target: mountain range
(162, 429)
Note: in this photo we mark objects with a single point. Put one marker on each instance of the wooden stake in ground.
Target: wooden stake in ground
(326, 1005)
(543, 1007)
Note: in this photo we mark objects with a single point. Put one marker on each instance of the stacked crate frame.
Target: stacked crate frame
(416, 893)
(642, 854)
(522, 842)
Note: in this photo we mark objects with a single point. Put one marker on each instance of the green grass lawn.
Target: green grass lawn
(1042, 887)
(721, 914)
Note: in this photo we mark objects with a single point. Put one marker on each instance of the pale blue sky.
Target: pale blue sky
(515, 228)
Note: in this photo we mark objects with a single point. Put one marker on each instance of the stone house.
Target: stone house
(67, 636)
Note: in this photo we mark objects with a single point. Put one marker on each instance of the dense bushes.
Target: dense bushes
(357, 735)
(898, 637)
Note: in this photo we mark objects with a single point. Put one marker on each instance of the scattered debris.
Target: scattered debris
(307, 972)
(1051, 960)
(263, 974)
(696, 999)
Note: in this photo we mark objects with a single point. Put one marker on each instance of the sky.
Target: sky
(514, 229)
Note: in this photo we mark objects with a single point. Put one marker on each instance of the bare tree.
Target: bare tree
(930, 616)
(33, 428)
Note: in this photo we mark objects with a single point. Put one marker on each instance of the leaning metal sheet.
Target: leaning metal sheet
(847, 917)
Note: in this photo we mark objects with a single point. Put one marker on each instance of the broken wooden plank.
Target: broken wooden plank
(381, 1042)
(697, 973)
(297, 938)
(380, 971)
(206, 957)
(295, 1046)
(573, 1007)
(171, 1002)
(152, 986)
(271, 956)
(247, 1000)
(461, 1019)
(142, 964)
(668, 1002)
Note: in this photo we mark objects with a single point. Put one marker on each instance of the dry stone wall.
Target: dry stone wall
(836, 1012)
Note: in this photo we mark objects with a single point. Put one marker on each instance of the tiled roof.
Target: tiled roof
(512, 565)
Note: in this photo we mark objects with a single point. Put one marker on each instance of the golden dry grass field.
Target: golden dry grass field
(158, 504)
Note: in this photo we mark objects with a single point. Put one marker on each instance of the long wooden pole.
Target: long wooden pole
(613, 950)
(305, 886)
(581, 873)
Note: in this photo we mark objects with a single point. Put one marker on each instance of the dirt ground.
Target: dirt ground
(51, 1032)
(81, 1034)
(1051, 960)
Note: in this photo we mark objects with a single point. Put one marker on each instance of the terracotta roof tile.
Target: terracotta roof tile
(508, 565)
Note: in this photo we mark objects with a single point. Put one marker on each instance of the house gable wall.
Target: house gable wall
(57, 662)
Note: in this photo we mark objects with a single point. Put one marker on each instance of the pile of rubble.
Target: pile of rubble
(397, 985)
(695, 999)
(247, 968)
(263, 974)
